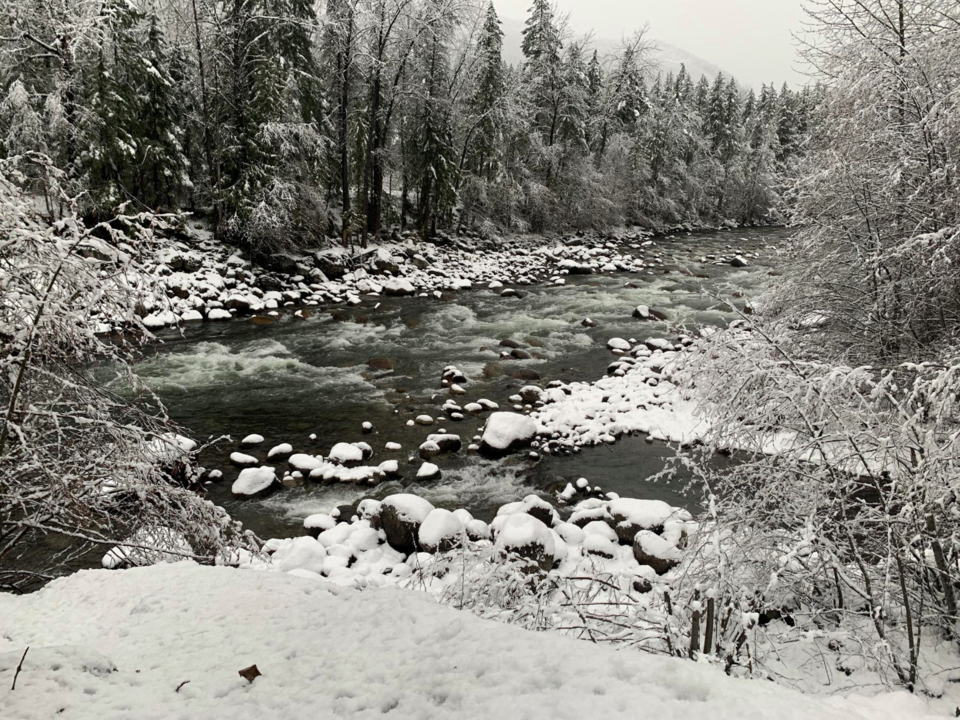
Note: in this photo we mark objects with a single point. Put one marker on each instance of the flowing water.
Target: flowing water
(293, 378)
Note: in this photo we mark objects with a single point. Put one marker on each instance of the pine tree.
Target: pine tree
(487, 102)
(595, 86)
(543, 70)
(436, 167)
(113, 108)
(541, 43)
(160, 130)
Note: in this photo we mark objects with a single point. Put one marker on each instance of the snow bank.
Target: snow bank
(119, 644)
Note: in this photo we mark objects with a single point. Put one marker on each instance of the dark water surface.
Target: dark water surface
(294, 378)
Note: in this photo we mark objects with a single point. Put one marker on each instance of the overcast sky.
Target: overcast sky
(748, 38)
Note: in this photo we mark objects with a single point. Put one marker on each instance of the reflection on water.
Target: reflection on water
(295, 378)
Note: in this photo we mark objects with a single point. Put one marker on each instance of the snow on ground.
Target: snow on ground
(168, 641)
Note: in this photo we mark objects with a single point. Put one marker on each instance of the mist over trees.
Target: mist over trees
(288, 121)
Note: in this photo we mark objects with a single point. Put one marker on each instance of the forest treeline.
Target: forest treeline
(288, 121)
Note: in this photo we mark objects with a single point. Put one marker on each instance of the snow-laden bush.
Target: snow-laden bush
(841, 506)
(80, 467)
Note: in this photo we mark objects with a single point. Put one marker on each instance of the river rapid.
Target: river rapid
(294, 378)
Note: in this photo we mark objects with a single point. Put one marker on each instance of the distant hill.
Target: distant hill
(667, 57)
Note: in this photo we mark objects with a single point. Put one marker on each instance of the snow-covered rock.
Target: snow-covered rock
(317, 523)
(524, 535)
(440, 531)
(243, 460)
(282, 450)
(255, 482)
(651, 549)
(629, 516)
(428, 471)
(305, 463)
(401, 516)
(345, 453)
(506, 432)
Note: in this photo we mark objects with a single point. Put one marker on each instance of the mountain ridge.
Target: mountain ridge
(666, 57)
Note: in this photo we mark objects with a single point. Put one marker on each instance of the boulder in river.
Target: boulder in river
(506, 432)
(643, 312)
(255, 482)
(380, 363)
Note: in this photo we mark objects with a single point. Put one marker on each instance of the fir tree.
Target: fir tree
(488, 98)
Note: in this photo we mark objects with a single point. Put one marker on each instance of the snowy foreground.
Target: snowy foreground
(123, 644)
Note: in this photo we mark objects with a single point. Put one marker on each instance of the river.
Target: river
(295, 378)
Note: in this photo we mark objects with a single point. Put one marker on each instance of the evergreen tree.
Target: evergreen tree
(436, 167)
(488, 98)
(541, 43)
(160, 132)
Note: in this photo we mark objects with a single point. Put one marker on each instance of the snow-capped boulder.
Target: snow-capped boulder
(531, 393)
(571, 534)
(283, 450)
(532, 505)
(618, 344)
(477, 530)
(346, 454)
(157, 320)
(440, 531)
(600, 546)
(629, 516)
(369, 509)
(398, 286)
(658, 344)
(305, 463)
(524, 535)
(251, 440)
(446, 442)
(588, 511)
(643, 312)
(255, 482)
(243, 460)
(598, 527)
(317, 523)
(651, 549)
(506, 432)
(401, 516)
(428, 471)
